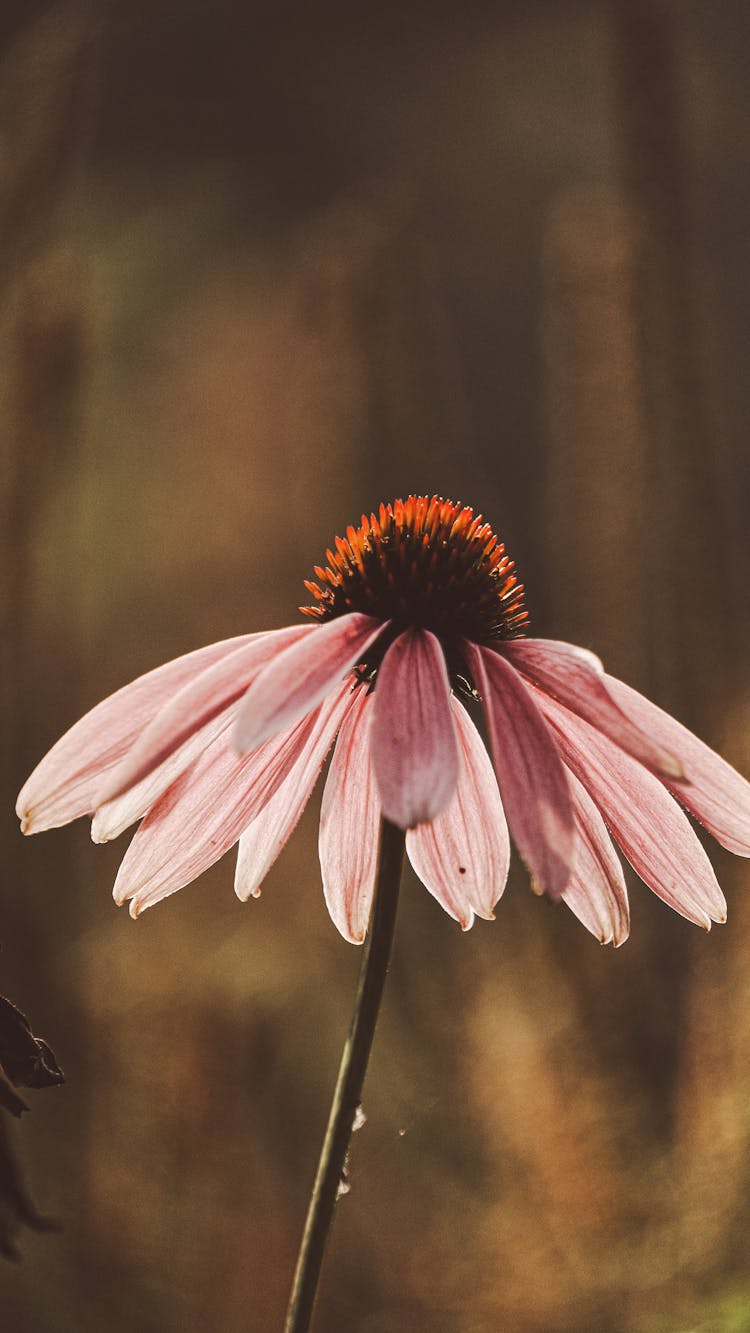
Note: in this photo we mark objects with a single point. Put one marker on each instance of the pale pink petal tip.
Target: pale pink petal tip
(122, 895)
(485, 915)
(119, 893)
(301, 676)
(66, 782)
(414, 745)
(247, 878)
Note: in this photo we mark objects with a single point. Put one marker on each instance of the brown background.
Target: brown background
(263, 266)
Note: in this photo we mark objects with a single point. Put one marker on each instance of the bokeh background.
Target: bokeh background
(262, 266)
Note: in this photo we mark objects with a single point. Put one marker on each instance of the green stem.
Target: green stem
(348, 1092)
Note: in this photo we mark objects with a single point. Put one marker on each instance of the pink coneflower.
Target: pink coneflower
(417, 619)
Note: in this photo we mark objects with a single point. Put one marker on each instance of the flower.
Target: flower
(417, 618)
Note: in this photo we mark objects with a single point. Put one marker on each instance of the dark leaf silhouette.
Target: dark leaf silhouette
(26, 1060)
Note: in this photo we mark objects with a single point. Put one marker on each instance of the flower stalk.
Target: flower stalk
(348, 1090)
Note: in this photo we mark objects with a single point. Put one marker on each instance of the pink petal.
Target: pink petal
(64, 784)
(576, 678)
(206, 810)
(267, 835)
(648, 824)
(532, 780)
(596, 892)
(463, 855)
(414, 746)
(350, 824)
(113, 817)
(210, 693)
(301, 676)
(715, 793)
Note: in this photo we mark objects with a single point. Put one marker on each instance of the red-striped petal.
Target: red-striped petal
(576, 678)
(205, 812)
(300, 677)
(714, 792)
(349, 825)
(64, 784)
(209, 694)
(267, 835)
(596, 891)
(414, 747)
(648, 824)
(531, 776)
(113, 817)
(463, 855)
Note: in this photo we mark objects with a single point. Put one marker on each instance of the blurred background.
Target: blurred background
(262, 266)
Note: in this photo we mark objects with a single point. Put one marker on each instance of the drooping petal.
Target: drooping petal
(267, 835)
(64, 784)
(463, 855)
(207, 809)
(414, 746)
(113, 817)
(714, 792)
(531, 776)
(349, 825)
(596, 891)
(208, 694)
(576, 677)
(648, 824)
(301, 676)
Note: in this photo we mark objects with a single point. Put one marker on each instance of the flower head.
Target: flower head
(417, 619)
(426, 564)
